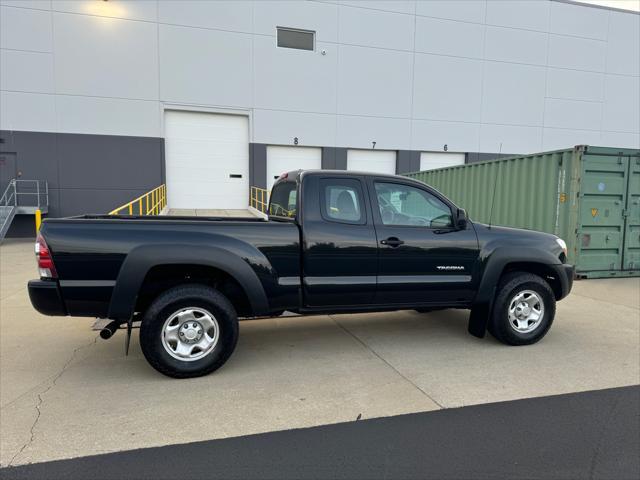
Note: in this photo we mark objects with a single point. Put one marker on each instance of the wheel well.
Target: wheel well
(164, 277)
(540, 269)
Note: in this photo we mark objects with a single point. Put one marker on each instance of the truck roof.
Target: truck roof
(297, 174)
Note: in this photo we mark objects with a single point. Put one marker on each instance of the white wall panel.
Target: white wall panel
(131, 9)
(574, 114)
(519, 46)
(574, 84)
(374, 28)
(447, 88)
(105, 57)
(399, 6)
(37, 4)
(374, 82)
(556, 139)
(579, 20)
(369, 86)
(623, 46)
(225, 15)
(513, 94)
(25, 29)
(26, 71)
(510, 139)
(622, 140)
(527, 14)
(205, 67)
(622, 98)
(378, 161)
(271, 126)
(578, 53)
(360, 132)
(27, 111)
(433, 135)
(288, 79)
(449, 37)
(464, 10)
(107, 116)
(320, 17)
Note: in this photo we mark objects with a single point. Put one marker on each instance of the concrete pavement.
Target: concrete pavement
(64, 393)
(578, 435)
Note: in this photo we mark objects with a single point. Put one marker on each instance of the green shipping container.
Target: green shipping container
(589, 196)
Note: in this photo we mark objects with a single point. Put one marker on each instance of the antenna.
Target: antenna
(493, 196)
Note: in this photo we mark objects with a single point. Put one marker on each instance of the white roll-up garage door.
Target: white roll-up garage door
(433, 160)
(282, 159)
(378, 161)
(207, 160)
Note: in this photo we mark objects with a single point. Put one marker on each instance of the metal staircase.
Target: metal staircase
(22, 197)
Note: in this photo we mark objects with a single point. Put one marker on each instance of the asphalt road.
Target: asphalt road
(592, 435)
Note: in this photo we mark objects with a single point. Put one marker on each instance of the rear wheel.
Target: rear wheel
(189, 331)
(524, 309)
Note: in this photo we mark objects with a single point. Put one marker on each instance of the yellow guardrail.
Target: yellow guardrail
(259, 199)
(151, 203)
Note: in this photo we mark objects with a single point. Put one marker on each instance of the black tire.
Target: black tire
(510, 285)
(172, 301)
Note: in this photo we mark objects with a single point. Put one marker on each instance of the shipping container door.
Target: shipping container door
(601, 222)
(631, 259)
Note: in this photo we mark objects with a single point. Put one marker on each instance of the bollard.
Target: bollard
(38, 220)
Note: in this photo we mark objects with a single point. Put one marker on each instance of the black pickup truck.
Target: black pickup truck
(334, 242)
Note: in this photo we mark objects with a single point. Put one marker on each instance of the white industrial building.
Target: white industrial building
(107, 99)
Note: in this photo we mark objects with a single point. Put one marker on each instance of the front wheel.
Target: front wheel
(524, 309)
(189, 331)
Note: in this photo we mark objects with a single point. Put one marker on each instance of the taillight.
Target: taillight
(45, 262)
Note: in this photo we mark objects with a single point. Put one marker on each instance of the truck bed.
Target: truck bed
(89, 252)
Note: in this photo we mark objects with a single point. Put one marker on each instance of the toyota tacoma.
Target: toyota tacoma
(333, 242)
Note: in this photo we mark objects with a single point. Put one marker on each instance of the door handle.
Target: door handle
(392, 242)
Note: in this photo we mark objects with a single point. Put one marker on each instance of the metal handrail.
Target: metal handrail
(12, 194)
(259, 199)
(154, 202)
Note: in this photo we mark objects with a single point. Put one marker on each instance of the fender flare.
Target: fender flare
(141, 259)
(493, 265)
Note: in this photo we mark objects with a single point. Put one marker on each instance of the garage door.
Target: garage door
(432, 160)
(207, 160)
(284, 159)
(378, 161)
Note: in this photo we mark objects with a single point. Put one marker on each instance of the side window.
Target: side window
(282, 202)
(341, 200)
(404, 205)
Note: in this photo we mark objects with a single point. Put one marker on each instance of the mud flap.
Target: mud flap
(127, 340)
(479, 319)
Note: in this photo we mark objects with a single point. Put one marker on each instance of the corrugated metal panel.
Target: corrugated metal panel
(558, 192)
(519, 185)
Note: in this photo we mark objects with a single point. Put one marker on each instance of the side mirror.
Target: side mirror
(461, 219)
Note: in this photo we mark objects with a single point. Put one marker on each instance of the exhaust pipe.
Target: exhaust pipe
(107, 332)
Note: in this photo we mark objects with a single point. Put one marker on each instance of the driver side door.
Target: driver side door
(422, 257)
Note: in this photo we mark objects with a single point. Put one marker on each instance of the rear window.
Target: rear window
(341, 201)
(283, 201)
